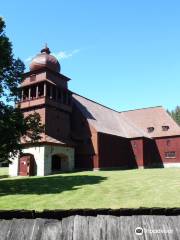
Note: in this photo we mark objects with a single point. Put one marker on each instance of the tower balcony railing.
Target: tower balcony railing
(42, 100)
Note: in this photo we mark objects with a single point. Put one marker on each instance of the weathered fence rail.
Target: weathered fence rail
(122, 224)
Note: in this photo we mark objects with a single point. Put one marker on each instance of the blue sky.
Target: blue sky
(123, 54)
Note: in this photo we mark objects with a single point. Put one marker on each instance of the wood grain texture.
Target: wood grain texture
(100, 227)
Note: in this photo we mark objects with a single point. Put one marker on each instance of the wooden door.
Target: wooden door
(26, 165)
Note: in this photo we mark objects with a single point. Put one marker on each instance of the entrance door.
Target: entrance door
(26, 165)
(56, 163)
(59, 163)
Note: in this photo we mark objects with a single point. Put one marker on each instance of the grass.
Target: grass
(103, 189)
(3, 172)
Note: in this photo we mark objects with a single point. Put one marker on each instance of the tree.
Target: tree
(13, 125)
(175, 114)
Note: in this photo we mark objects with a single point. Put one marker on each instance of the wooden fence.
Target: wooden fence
(96, 226)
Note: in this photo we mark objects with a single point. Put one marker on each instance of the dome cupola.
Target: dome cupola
(45, 59)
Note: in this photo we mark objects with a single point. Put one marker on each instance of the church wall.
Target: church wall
(57, 123)
(13, 167)
(85, 137)
(137, 148)
(38, 77)
(167, 145)
(51, 150)
(58, 80)
(43, 156)
(115, 152)
(152, 156)
(38, 153)
(41, 112)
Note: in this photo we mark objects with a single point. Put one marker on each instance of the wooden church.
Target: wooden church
(83, 134)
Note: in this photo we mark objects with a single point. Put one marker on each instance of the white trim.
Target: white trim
(169, 165)
(140, 167)
(96, 169)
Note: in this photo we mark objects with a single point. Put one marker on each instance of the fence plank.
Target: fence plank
(103, 227)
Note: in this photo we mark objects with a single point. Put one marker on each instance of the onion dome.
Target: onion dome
(44, 59)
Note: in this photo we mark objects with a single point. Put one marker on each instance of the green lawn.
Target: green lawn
(3, 172)
(103, 189)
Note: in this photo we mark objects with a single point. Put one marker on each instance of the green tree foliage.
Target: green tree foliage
(175, 114)
(13, 125)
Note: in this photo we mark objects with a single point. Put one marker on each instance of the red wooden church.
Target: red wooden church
(83, 134)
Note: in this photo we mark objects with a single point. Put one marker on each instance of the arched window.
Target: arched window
(59, 162)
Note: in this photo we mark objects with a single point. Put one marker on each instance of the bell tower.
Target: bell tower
(45, 90)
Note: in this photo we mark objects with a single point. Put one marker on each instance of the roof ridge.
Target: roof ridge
(96, 102)
(112, 108)
(160, 106)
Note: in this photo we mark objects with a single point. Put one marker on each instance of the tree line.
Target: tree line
(175, 114)
(13, 125)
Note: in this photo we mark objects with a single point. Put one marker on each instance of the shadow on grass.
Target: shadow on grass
(3, 176)
(46, 185)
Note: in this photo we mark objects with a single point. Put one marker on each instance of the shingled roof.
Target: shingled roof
(107, 120)
(156, 118)
(128, 124)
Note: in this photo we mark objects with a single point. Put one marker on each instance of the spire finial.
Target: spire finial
(46, 49)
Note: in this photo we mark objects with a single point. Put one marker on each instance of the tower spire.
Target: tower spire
(46, 49)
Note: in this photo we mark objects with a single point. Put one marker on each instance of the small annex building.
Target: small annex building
(83, 134)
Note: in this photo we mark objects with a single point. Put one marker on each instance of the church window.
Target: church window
(165, 128)
(41, 90)
(171, 154)
(150, 129)
(26, 94)
(33, 92)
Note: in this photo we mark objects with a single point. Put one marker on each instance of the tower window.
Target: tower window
(150, 129)
(25, 94)
(165, 128)
(33, 92)
(40, 90)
